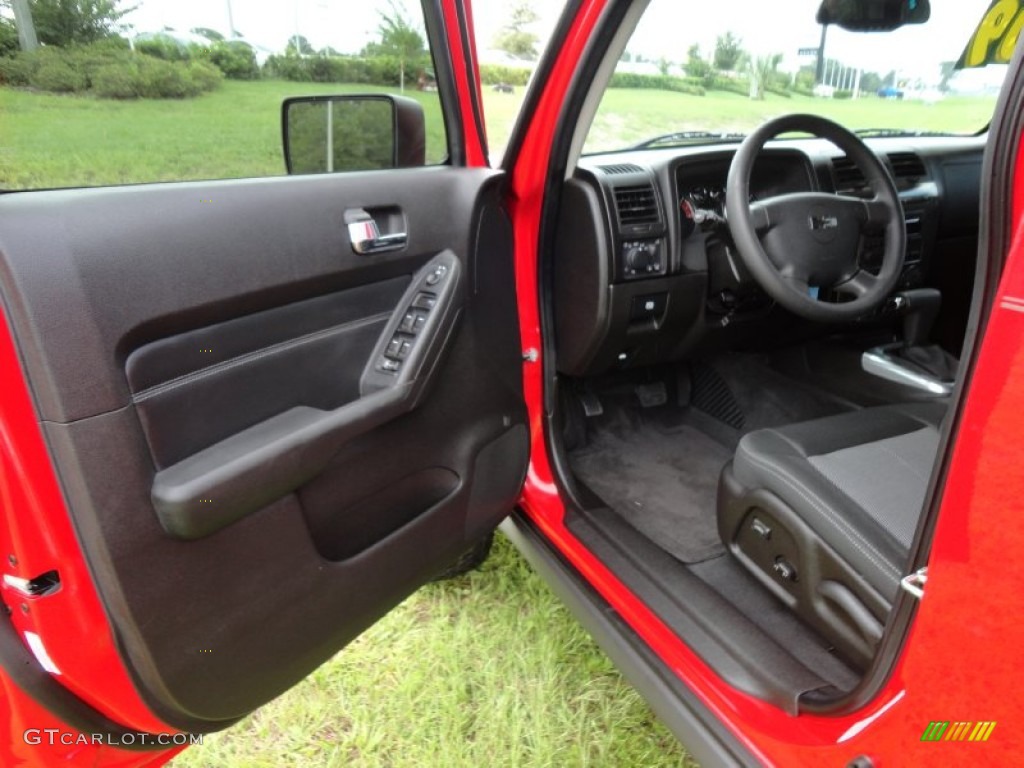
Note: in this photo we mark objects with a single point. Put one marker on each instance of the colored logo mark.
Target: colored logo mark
(939, 730)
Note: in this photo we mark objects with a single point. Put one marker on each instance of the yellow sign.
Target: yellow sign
(996, 36)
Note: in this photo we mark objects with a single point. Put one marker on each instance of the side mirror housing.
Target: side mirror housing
(331, 134)
(873, 15)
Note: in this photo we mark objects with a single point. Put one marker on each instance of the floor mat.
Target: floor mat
(664, 482)
(738, 393)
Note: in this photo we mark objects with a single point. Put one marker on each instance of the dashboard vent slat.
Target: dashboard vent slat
(907, 165)
(636, 205)
(847, 174)
(618, 169)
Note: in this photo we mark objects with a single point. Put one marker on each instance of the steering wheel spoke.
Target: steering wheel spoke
(875, 212)
(760, 216)
(863, 283)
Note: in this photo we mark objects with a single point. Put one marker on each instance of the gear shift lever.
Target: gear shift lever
(920, 307)
(913, 362)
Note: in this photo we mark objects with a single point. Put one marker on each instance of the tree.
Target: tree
(299, 45)
(728, 52)
(399, 39)
(806, 78)
(210, 34)
(695, 65)
(70, 22)
(946, 71)
(870, 82)
(762, 70)
(515, 38)
(8, 37)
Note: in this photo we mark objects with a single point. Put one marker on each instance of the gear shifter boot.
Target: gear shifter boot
(931, 359)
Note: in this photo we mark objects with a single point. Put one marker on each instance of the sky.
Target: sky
(668, 29)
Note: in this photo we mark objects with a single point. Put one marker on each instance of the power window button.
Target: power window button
(425, 301)
(408, 323)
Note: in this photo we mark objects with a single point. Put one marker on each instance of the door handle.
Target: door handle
(365, 235)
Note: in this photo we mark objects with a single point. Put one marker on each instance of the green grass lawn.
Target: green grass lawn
(56, 140)
(628, 116)
(488, 669)
(50, 140)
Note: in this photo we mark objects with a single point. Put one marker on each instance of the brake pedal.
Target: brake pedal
(652, 395)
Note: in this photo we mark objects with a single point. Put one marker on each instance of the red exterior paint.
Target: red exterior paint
(36, 530)
(475, 155)
(962, 657)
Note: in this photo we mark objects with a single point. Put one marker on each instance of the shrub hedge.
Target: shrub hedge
(493, 74)
(690, 85)
(382, 70)
(109, 71)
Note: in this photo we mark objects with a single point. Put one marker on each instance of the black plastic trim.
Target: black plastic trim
(676, 706)
(548, 234)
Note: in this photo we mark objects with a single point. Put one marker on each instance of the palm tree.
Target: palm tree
(761, 70)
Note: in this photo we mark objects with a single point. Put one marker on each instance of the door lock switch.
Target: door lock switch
(388, 365)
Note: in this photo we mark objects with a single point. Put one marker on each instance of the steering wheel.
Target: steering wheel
(802, 245)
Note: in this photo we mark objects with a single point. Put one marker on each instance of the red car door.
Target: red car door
(215, 471)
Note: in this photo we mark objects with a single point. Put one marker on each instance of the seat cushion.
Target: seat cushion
(857, 479)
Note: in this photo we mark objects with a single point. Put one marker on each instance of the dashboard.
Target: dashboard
(644, 269)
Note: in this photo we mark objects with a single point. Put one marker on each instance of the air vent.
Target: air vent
(619, 169)
(907, 165)
(636, 205)
(846, 173)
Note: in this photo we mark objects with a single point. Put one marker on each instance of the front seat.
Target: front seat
(823, 514)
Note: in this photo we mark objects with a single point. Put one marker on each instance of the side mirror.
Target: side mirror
(873, 15)
(329, 134)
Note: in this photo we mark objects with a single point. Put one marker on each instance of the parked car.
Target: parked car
(890, 92)
(749, 399)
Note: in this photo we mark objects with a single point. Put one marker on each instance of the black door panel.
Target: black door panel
(160, 333)
(194, 389)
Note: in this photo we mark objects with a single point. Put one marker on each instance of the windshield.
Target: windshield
(690, 75)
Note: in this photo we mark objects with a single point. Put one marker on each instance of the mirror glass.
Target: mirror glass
(332, 134)
(873, 15)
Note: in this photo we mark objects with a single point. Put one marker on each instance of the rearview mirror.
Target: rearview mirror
(873, 15)
(330, 134)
